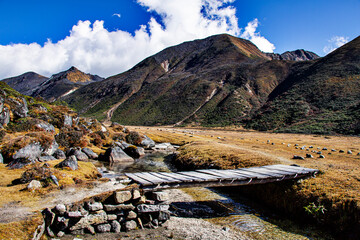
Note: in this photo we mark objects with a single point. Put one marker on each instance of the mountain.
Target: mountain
(323, 97)
(214, 81)
(297, 55)
(63, 83)
(26, 83)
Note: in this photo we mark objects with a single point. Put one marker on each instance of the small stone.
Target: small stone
(130, 225)
(76, 214)
(60, 209)
(298, 157)
(90, 229)
(110, 208)
(61, 223)
(98, 218)
(115, 226)
(324, 148)
(341, 151)
(333, 150)
(122, 196)
(226, 229)
(321, 156)
(102, 228)
(34, 184)
(311, 147)
(131, 215)
(144, 208)
(60, 234)
(349, 152)
(96, 206)
(309, 155)
(164, 216)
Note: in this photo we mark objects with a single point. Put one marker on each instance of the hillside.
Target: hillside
(214, 81)
(26, 83)
(321, 98)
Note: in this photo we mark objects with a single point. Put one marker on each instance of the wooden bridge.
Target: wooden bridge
(220, 178)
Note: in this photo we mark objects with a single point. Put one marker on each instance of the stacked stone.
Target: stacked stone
(120, 211)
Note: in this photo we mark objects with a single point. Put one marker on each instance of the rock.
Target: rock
(130, 225)
(40, 107)
(39, 231)
(115, 226)
(89, 153)
(1, 158)
(18, 108)
(32, 151)
(358, 153)
(59, 154)
(164, 147)
(136, 194)
(341, 151)
(70, 162)
(349, 152)
(67, 121)
(122, 196)
(94, 206)
(324, 148)
(81, 156)
(321, 156)
(164, 216)
(91, 229)
(54, 179)
(97, 218)
(333, 150)
(160, 196)
(34, 184)
(319, 152)
(110, 208)
(60, 234)
(112, 217)
(60, 209)
(147, 142)
(303, 147)
(116, 154)
(309, 155)
(144, 208)
(131, 215)
(134, 152)
(5, 116)
(61, 223)
(48, 216)
(46, 158)
(311, 147)
(75, 214)
(102, 228)
(298, 157)
(52, 148)
(20, 163)
(45, 126)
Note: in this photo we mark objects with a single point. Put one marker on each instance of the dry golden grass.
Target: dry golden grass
(21, 230)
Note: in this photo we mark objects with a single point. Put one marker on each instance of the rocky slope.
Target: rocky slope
(297, 55)
(26, 83)
(215, 81)
(323, 97)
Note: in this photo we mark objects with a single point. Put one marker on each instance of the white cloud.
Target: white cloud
(117, 15)
(334, 43)
(94, 49)
(250, 33)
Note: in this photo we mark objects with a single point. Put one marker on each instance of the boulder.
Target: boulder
(163, 147)
(34, 184)
(102, 228)
(116, 154)
(46, 158)
(5, 116)
(32, 151)
(147, 142)
(52, 148)
(97, 218)
(70, 162)
(122, 196)
(134, 152)
(59, 154)
(80, 156)
(298, 157)
(20, 163)
(89, 153)
(45, 126)
(18, 107)
(122, 144)
(67, 121)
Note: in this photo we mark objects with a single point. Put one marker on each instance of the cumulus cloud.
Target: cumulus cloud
(250, 33)
(94, 49)
(334, 43)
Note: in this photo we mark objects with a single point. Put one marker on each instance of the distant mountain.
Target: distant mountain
(214, 81)
(63, 83)
(323, 97)
(297, 55)
(26, 83)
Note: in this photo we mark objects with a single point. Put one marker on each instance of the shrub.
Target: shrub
(69, 138)
(134, 138)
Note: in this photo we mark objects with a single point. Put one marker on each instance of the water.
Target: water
(222, 206)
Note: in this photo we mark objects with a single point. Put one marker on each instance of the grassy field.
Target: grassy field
(332, 198)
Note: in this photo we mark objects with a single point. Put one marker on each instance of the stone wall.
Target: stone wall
(122, 210)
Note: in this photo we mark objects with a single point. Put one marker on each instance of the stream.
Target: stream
(221, 206)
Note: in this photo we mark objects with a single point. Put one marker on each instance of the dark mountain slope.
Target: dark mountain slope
(322, 98)
(64, 83)
(26, 83)
(188, 82)
(297, 55)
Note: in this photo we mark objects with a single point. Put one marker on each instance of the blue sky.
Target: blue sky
(108, 37)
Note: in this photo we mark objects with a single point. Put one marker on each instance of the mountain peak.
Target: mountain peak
(297, 55)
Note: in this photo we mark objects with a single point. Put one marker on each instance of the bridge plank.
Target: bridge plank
(138, 179)
(203, 176)
(224, 174)
(285, 170)
(249, 174)
(150, 178)
(167, 178)
(178, 176)
(298, 170)
(267, 172)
